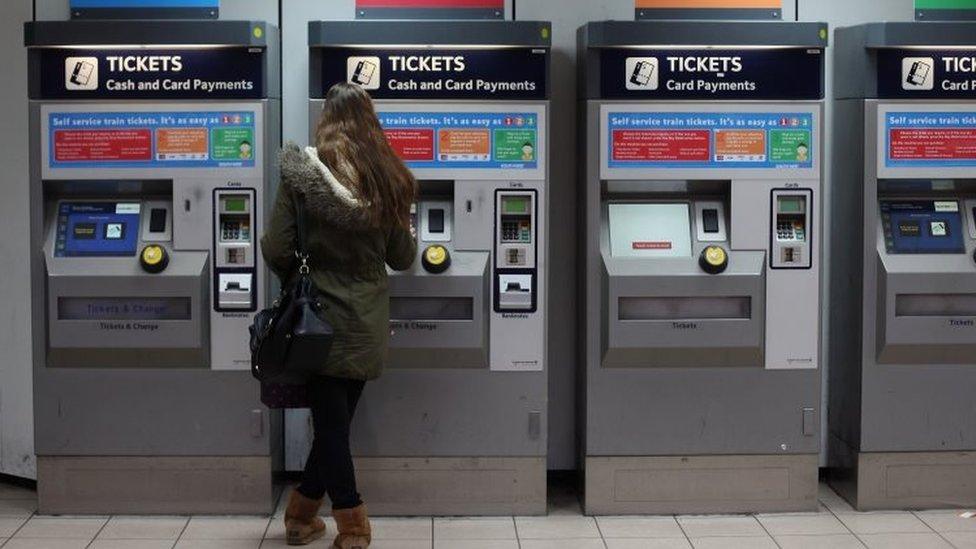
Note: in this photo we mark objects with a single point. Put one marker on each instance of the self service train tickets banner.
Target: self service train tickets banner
(151, 140)
(466, 140)
(930, 139)
(710, 140)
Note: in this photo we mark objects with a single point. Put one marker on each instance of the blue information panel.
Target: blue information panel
(710, 140)
(151, 140)
(922, 227)
(97, 229)
(930, 139)
(464, 139)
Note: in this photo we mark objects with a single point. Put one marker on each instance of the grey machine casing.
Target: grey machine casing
(902, 434)
(157, 416)
(456, 425)
(686, 413)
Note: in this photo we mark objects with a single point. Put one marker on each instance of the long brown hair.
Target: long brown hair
(351, 142)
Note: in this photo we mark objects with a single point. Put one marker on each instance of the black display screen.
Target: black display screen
(435, 220)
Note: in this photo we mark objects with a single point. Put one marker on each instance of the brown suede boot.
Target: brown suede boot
(302, 522)
(354, 529)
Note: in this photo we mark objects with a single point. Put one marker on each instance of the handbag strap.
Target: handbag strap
(301, 252)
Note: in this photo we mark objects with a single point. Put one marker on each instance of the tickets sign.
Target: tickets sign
(775, 73)
(151, 140)
(926, 73)
(464, 140)
(152, 73)
(930, 139)
(492, 74)
(410, 9)
(709, 9)
(710, 140)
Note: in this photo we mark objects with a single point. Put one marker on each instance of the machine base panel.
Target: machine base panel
(134, 485)
(907, 480)
(446, 486)
(665, 485)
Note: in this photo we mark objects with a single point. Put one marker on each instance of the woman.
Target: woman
(357, 195)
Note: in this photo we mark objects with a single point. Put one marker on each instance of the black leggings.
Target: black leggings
(329, 467)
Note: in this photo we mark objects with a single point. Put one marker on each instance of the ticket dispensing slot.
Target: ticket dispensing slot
(926, 282)
(516, 248)
(438, 312)
(677, 294)
(234, 247)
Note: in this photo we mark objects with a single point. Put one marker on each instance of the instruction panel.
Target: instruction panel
(710, 140)
(464, 139)
(151, 140)
(928, 139)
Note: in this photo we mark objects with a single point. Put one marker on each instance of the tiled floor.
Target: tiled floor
(836, 526)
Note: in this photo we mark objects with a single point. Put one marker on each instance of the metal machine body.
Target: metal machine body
(457, 423)
(151, 161)
(903, 277)
(701, 206)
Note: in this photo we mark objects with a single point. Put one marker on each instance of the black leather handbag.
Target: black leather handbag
(291, 340)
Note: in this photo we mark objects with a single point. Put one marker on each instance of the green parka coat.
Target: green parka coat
(348, 260)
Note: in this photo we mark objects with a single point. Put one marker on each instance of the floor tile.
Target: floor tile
(401, 528)
(647, 543)
(802, 524)
(720, 526)
(400, 544)
(217, 544)
(883, 522)
(476, 544)
(62, 528)
(30, 543)
(558, 527)
(947, 521)
(563, 543)
(9, 525)
(474, 528)
(321, 543)
(132, 544)
(961, 540)
(734, 542)
(905, 541)
(144, 528)
(639, 527)
(17, 507)
(225, 528)
(833, 541)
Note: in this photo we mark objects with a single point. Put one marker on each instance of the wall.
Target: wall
(16, 402)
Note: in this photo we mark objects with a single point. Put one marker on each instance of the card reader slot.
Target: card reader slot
(432, 308)
(685, 308)
(909, 305)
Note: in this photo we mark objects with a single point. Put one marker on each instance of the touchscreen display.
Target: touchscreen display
(97, 229)
(922, 226)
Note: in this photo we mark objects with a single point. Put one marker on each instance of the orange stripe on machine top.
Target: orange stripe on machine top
(694, 4)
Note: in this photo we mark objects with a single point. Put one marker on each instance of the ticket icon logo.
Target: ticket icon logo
(918, 73)
(641, 73)
(364, 71)
(81, 73)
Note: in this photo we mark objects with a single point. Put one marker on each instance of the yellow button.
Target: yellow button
(715, 256)
(152, 255)
(436, 255)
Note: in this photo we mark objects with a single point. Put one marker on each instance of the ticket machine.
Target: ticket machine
(151, 147)
(903, 277)
(456, 425)
(701, 196)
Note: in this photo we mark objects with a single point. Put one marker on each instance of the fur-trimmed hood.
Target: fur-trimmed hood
(325, 196)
